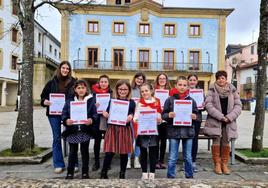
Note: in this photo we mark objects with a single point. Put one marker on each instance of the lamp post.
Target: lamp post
(182, 57)
(19, 64)
(156, 52)
(78, 52)
(208, 57)
(131, 56)
(105, 51)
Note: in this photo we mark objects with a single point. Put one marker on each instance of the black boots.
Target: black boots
(96, 166)
(104, 175)
(85, 173)
(121, 175)
(70, 173)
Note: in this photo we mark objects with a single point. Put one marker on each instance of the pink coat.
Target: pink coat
(213, 107)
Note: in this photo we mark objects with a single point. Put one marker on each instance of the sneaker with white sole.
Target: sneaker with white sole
(76, 169)
(145, 176)
(137, 163)
(58, 170)
(129, 163)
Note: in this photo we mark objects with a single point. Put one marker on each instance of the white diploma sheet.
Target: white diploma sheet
(162, 95)
(57, 103)
(103, 99)
(198, 96)
(147, 122)
(183, 110)
(118, 112)
(136, 100)
(78, 112)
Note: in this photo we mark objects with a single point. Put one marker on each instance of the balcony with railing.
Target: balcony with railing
(142, 66)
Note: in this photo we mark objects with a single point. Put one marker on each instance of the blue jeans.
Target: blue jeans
(173, 157)
(55, 123)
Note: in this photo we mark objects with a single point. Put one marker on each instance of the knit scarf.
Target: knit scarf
(174, 92)
(154, 105)
(223, 91)
(96, 88)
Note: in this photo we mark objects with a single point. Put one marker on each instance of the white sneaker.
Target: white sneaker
(144, 176)
(151, 176)
(137, 163)
(58, 170)
(129, 163)
(76, 169)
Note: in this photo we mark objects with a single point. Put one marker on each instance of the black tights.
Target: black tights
(73, 156)
(152, 156)
(108, 159)
(97, 144)
(162, 129)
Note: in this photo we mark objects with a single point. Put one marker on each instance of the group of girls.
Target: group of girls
(120, 139)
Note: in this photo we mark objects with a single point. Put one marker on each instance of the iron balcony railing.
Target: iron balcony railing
(143, 66)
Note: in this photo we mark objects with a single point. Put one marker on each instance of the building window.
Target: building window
(1, 3)
(39, 37)
(93, 27)
(1, 58)
(92, 57)
(39, 54)
(127, 1)
(169, 59)
(1, 28)
(119, 27)
(14, 60)
(144, 28)
(59, 55)
(14, 10)
(14, 35)
(194, 60)
(118, 2)
(195, 30)
(169, 29)
(50, 48)
(118, 58)
(144, 59)
(55, 52)
(252, 50)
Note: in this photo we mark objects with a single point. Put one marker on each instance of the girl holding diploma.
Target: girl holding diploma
(118, 138)
(192, 83)
(61, 83)
(175, 133)
(75, 134)
(162, 83)
(138, 79)
(102, 87)
(148, 142)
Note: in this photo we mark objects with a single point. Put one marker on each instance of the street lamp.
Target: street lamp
(19, 66)
(156, 51)
(131, 56)
(78, 51)
(208, 57)
(182, 57)
(105, 51)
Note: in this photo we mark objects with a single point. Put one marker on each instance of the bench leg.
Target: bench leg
(232, 151)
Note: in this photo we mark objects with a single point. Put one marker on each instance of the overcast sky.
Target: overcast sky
(242, 23)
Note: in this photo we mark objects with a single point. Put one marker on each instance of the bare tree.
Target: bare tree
(257, 139)
(23, 137)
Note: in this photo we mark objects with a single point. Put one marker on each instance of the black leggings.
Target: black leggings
(97, 145)
(195, 140)
(108, 159)
(84, 154)
(162, 129)
(153, 150)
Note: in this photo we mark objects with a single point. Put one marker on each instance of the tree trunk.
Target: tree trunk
(23, 137)
(257, 139)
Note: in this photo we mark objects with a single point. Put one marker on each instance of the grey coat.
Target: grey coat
(213, 106)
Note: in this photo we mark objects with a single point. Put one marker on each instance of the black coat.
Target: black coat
(53, 87)
(88, 129)
(177, 132)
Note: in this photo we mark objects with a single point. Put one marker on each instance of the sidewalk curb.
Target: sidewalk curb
(251, 160)
(27, 160)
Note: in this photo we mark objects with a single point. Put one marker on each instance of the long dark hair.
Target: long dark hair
(167, 86)
(58, 72)
(138, 74)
